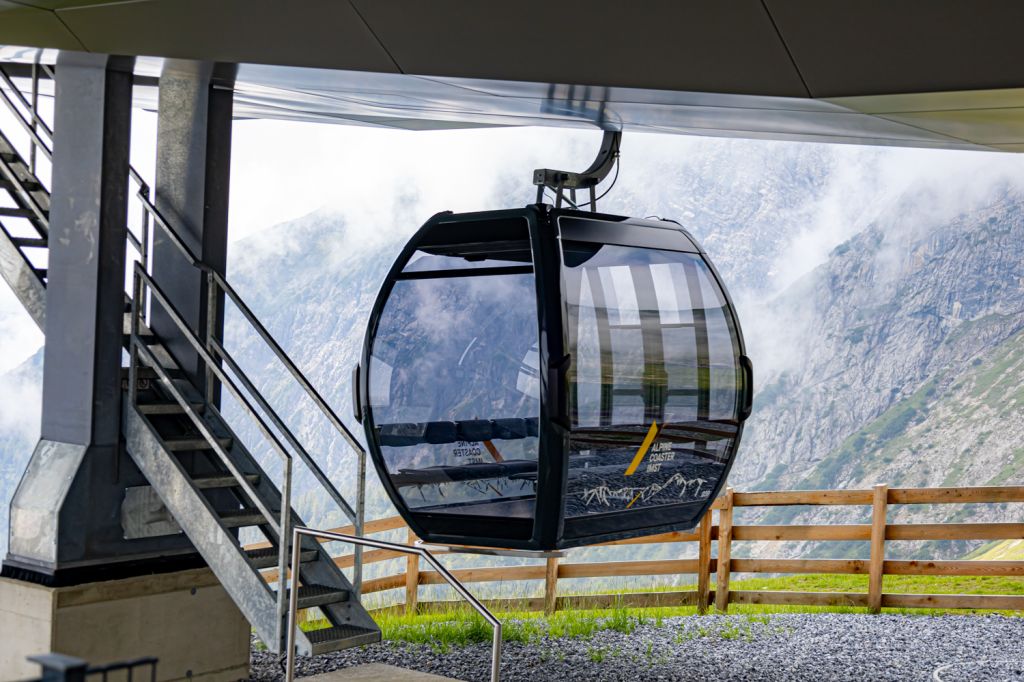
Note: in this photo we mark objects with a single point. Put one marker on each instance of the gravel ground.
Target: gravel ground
(783, 647)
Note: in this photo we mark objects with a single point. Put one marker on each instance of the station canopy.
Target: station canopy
(920, 73)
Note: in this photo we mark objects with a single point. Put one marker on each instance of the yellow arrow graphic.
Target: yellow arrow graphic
(652, 433)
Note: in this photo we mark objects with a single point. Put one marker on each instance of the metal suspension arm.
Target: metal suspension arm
(559, 180)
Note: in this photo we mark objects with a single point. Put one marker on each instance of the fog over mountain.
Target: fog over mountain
(881, 294)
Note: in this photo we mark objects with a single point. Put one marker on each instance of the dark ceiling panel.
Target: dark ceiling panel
(22, 25)
(726, 46)
(325, 33)
(64, 4)
(872, 47)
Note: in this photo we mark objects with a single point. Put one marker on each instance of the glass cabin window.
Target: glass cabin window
(453, 378)
(654, 381)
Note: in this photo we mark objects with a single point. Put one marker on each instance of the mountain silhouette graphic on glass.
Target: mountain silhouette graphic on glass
(543, 379)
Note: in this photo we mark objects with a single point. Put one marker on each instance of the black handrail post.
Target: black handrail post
(61, 668)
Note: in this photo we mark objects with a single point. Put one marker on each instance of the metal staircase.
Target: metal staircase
(177, 436)
(27, 207)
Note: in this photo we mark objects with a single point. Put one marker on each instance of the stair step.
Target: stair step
(169, 408)
(321, 595)
(9, 212)
(28, 185)
(266, 557)
(210, 481)
(145, 336)
(126, 325)
(148, 374)
(242, 518)
(181, 444)
(340, 637)
(29, 242)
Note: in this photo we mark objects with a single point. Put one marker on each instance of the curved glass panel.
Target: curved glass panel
(654, 382)
(453, 382)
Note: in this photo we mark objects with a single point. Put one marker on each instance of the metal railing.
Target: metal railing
(299, 532)
(27, 114)
(215, 354)
(25, 109)
(40, 137)
(279, 526)
(61, 668)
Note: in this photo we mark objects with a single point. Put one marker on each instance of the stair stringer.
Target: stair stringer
(218, 547)
(323, 571)
(26, 285)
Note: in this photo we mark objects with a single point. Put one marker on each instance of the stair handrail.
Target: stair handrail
(36, 141)
(144, 282)
(215, 281)
(280, 525)
(37, 129)
(218, 351)
(36, 123)
(41, 139)
(300, 531)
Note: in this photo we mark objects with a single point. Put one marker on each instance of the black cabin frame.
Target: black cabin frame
(549, 530)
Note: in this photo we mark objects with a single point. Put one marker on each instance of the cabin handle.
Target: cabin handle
(557, 391)
(748, 387)
(357, 408)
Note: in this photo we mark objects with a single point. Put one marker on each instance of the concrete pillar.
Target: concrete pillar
(65, 522)
(73, 582)
(193, 167)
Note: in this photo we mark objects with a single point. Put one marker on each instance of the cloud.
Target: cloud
(20, 404)
(19, 335)
(386, 182)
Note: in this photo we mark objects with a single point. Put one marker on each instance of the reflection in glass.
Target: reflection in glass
(653, 387)
(453, 380)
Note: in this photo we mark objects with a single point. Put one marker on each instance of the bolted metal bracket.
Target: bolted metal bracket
(560, 181)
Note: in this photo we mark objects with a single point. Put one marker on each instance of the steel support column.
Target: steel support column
(192, 183)
(66, 513)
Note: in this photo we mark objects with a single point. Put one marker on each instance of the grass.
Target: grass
(1006, 550)
(928, 584)
(456, 626)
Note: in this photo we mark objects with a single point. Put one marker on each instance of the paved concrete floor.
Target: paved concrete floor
(375, 672)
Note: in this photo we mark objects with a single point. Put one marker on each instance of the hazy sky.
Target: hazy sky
(283, 170)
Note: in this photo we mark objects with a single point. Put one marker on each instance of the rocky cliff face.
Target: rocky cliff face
(899, 361)
(895, 360)
(893, 312)
(20, 395)
(313, 280)
(894, 357)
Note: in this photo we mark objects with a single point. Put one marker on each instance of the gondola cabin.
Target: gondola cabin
(543, 379)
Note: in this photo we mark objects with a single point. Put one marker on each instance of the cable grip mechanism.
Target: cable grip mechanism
(560, 181)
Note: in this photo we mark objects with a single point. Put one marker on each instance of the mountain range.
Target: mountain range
(885, 319)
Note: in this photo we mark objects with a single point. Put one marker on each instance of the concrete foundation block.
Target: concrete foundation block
(185, 619)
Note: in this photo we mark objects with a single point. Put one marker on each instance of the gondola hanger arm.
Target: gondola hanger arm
(589, 179)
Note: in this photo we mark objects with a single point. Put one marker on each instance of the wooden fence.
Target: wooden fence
(877, 533)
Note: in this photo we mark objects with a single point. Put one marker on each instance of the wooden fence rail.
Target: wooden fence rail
(877, 534)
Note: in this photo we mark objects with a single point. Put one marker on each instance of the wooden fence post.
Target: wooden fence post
(877, 564)
(412, 579)
(724, 553)
(704, 564)
(551, 585)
